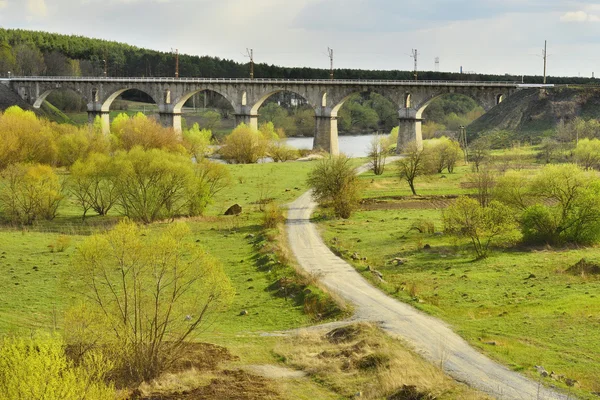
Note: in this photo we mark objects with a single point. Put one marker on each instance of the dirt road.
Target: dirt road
(430, 337)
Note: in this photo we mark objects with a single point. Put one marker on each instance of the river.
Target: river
(353, 146)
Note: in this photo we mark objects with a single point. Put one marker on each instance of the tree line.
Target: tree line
(42, 53)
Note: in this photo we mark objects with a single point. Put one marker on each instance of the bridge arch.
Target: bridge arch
(107, 102)
(421, 107)
(264, 97)
(180, 102)
(40, 100)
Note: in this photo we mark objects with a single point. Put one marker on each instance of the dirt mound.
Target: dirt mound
(232, 385)
(410, 393)
(345, 334)
(203, 357)
(584, 267)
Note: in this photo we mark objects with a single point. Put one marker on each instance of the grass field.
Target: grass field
(519, 305)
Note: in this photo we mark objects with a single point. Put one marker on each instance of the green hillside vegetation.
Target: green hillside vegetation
(508, 256)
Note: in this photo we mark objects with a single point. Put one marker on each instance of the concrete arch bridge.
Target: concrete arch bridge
(326, 97)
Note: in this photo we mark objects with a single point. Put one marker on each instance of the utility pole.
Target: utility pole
(105, 67)
(545, 54)
(176, 62)
(330, 52)
(415, 55)
(437, 64)
(251, 56)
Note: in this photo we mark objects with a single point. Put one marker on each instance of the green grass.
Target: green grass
(551, 320)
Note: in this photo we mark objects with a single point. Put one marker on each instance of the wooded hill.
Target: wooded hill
(26, 52)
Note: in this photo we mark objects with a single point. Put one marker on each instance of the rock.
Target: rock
(541, 370)
(399, 261)
(355, 256)
(364, 259)
(235, 209)
(243, 312)
(570, 382)
(427, 247)
(491, 343)
(250, 236)
(531, 276)
(377, 274)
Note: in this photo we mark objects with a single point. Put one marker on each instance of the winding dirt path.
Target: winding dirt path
(430, 337)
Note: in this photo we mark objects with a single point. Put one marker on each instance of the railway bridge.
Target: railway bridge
(326, 97)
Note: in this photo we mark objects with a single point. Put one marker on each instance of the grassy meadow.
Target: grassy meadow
(520, 306)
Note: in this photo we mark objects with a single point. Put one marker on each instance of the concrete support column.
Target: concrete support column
(104, 120)
(171, 120)
(326, 135)
(409, 131)
(250, 120)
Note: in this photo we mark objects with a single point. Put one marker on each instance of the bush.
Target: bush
(273, 216)
(444, 153)
(141, 131)
(334, 182)
(483, 226)
(244, 146)
(93, 183)
(29, 193)
(150, 294)
(37, 368)
(197, 142)
(587, 153)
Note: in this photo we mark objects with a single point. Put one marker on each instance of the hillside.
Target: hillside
(530, 112)
(59, 54)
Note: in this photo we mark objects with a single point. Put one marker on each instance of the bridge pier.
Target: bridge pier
(326, 135)
(409, 131)
(171, 120)
(248, 119)
(104, 120)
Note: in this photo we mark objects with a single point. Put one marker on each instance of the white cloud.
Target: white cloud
(579, 16)
(37, 7)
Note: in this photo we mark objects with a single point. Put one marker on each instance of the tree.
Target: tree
(484, 182)
(548, 149)
(197, 142)
(479, 152)
(93, 183)
(37, 368)
(29, 60)
(30, 192)
(211, 120)
(244, 145)
(587, 153)
(145, 132)
(151, 292)
(334, 182)
(154, 184)
(483, 226)
(444, 153)
(413, 164)
(560, 204)
(378, 150)
(7, 59)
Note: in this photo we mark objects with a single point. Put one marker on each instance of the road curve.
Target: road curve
(430, 337)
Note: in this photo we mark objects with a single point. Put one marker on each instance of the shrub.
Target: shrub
(37, 368)
(273, 215)
(197, 142)
(141, 131)
(334, 182)
(587, 153)
(444, 154)
(244, 146)
(415, 163)
(30, 192)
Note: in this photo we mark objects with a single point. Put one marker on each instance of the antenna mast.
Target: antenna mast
(437, 64)
(415, 55)
(330, 52)
(251, 56)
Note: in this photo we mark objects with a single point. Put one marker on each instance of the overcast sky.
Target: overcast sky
(485, 36)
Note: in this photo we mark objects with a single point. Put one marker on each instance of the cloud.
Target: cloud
(579, 16)
(37, 7)
(3, 3)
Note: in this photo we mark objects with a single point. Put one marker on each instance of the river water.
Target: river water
(353, 146)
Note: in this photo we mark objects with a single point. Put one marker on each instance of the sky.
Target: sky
(483, 36)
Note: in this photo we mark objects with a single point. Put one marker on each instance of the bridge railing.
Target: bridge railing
(265, 81)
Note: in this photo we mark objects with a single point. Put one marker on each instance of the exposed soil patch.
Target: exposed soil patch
(345, 334)
(584, 267)
(401, 202)
(275, 372)
(203, 357)
(233, 385)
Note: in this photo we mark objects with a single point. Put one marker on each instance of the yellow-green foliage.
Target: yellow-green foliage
(150, 293)
(37, 368)
(29, 192)
(587, 153)
(197, 142)
(443, 153)
(244, 145)
(144, 132)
